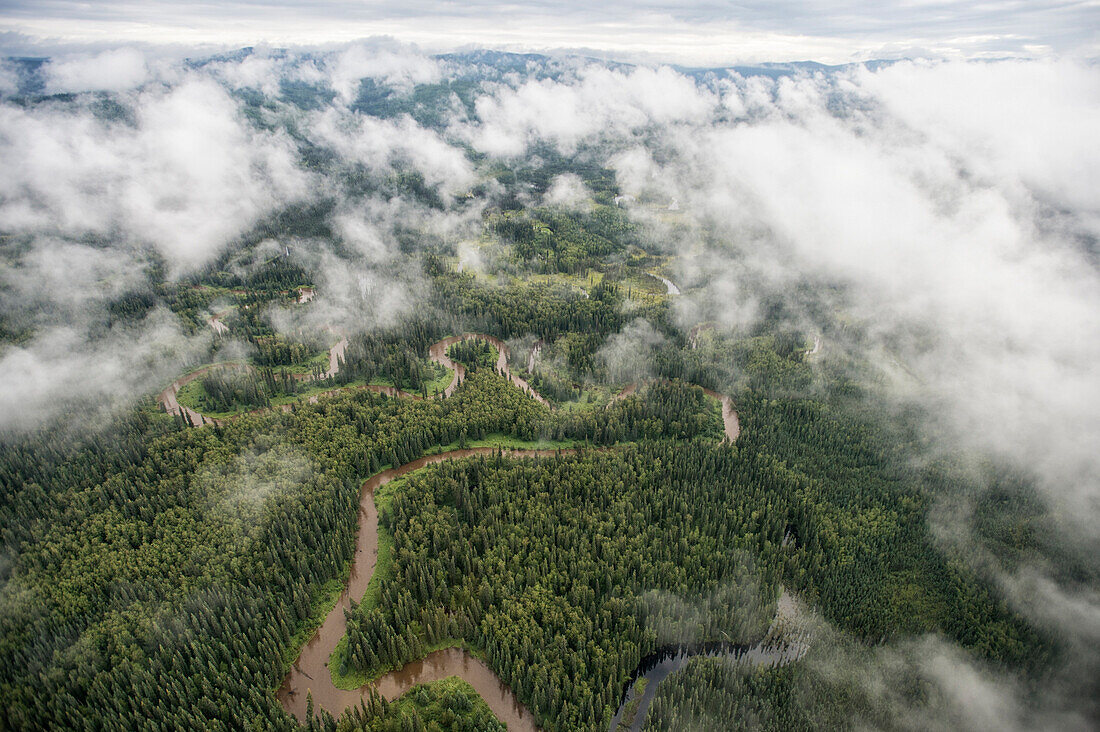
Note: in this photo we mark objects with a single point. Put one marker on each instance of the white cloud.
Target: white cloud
(601, 102)
(188, 176)
(394, 67)
(933, 213)
(259, 70)
(566, 190)
(380, 145)
(1019, 124)
(114, 70)
(64, 371)
(9, 79)
(627, 354)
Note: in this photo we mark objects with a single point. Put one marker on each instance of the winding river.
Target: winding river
(670, 287)
(309, 675)
(438, 353)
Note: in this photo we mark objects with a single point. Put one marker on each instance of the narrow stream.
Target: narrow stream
(731, 425)
(670, 287)
(786, 641)
(658, 666)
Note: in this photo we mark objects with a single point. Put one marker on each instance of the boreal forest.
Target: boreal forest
(371, 390)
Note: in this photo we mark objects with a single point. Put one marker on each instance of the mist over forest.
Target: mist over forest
(889, 270)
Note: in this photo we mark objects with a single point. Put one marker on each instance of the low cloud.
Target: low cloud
(67, 372)
(179, 170)
(598, 103)
(943, 217)
(566, 190)
(111, 71)
(383, 145)
(627, 355)
(956, 692)
(395, 66)
(265, 470)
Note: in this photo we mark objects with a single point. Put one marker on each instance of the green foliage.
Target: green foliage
(397, 356)
(474, 354)
(448, 705)
(869, 559)
(524, 308)
(230, 389)
(566, 588)
(558, 240)
(167, 568)
(711, 693)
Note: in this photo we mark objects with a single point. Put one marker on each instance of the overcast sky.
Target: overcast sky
(707, 32)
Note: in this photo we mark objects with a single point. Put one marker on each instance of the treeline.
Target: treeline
(276, 350)
(713, 694)
(397, 354)
(153, 594)
(271, 347)
(554, 386)
(231, 389)
(167, 569)
(522, 559)
(871, 563)
(524, 307)
(162, 572)
(239, 270)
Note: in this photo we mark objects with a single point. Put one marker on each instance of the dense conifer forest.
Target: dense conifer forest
(199, 555)
(620, 470)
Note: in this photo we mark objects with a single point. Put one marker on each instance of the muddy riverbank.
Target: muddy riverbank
(310, 674)
(438, 353)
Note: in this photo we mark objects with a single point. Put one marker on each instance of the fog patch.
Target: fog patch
(627, 355)
(566, 190)
(398, 67)
(244, 486)
(260, 70)
(187, 175)
(734, 612)
(63, 371)
(927, 684)
(9, 78)
(112, 71)
(63, 282)
(355, 296)
(382, 145)
(599, 102)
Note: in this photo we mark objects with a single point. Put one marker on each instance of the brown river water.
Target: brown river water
(309, 674)
(437, 352)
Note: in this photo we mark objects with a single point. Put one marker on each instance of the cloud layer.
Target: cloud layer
(699, 33)
(938, 220)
